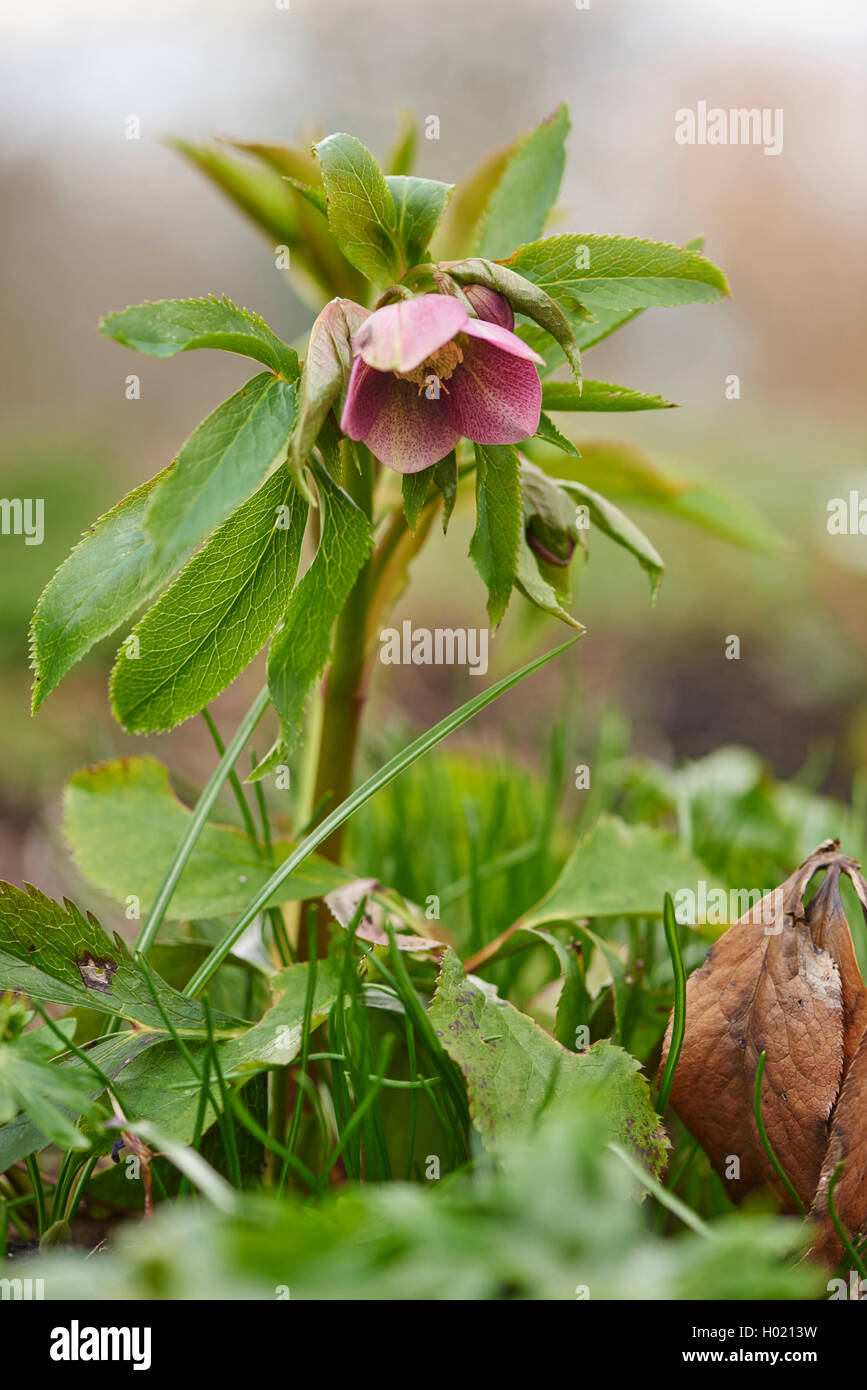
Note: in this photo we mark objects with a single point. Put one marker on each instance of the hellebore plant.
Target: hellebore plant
(443, 340)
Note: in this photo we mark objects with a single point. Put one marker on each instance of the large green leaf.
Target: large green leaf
(499, 522)
(513, 1068)
(597, 395)
(526, 190)
(54, 952)
(260, 192)
(220, 465)
(169, 326)
(214, 618)
(618, 273)
(361, 211)
(301, 647)
(619, 870)
(123, 822)
(419, 205)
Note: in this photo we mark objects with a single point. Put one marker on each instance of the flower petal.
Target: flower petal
(495, 397)
(490, 305)
(400, 336)
(366, 394)
(502, 338)
(411, 432)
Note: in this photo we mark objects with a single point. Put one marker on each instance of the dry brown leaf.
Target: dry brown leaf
(344, 902)
(783, 981)
(848, 1143)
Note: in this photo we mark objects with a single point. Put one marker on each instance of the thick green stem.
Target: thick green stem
(345, 686)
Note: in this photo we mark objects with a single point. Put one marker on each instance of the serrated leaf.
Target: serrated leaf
(513, 1067)
(419, 204)
(445, 476)
(618, 870)
(169, 326)
(549, 432)
(525, 298)
(618, 526)
(54, 952)
(123, 822)
(221, 463)
(301, 647)
(499, 523)
(526, 190)
(361, 212)
(622, 273)
(598, 395)
(215, 617)
(414, 489)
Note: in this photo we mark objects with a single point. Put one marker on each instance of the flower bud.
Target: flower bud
(490, 305)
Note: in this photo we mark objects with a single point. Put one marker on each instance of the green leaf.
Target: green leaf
(259, 192)
(214, 618)
(617, 525)
(401, 156)
(458, 231)
(123, 821)
(543, 572)
(221, 463)
(618, 273)
(301, 647)
(361, 212)
(499, 523)
(526, 190)
(539, 590)
(618, 870)
(549, 432)
(30, 1082)
(513, 1068)
(525, 298)
(419, 205)
(598, 395)
(53, 952)
(445, 476)
(107, 576)
(414, 488)
(170, 326)
(627, 473)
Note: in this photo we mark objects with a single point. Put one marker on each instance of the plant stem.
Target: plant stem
(345, 686)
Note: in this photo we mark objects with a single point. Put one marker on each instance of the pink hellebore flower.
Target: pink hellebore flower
(426, 374)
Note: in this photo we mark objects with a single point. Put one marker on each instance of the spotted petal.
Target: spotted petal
(411, 432)
(495, 396)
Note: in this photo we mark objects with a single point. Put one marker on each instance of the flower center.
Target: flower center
(440, 364)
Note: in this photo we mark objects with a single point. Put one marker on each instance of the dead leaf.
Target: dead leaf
(344, 902)
(783, 981)
(848, 1143)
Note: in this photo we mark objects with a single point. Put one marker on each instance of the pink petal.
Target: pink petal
(366, 394)
(411, 432)
(491, 306)
(399, 337)
(502, 338)
(495, 397)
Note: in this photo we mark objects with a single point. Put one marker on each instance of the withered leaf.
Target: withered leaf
(344, 902)
(784, 981)
(848, 1143)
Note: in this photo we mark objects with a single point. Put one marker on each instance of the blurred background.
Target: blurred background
(94, 221)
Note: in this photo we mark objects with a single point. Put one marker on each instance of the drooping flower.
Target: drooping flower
(427, 374)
